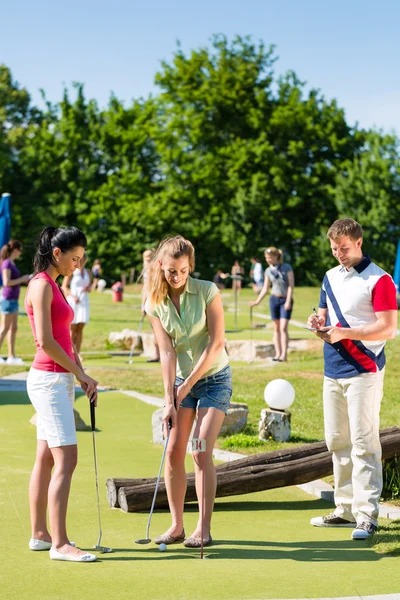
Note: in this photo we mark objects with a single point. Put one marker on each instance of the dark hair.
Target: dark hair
(65, 238)
(10, 247)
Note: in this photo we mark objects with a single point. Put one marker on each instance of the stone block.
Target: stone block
(274, 424)
(236, 419)
(248, 350)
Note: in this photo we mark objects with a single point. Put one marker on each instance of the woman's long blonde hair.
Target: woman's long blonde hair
(173, 247)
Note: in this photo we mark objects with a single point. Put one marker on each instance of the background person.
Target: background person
(77, 288)
(188, 320)
(219, 279)
(279, 278)
(147, 256)
(357, 313)
(237, 271)
(96, 272)
(9, 306)
(256, 275)
(51, 390)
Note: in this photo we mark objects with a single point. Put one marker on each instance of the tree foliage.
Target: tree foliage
(226, 154)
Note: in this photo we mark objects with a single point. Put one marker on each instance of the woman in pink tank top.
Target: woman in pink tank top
(51, 390)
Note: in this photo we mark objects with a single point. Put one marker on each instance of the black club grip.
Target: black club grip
(92, 414)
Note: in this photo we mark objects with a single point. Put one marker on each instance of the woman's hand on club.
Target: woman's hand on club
(169, 416)
(89, 386)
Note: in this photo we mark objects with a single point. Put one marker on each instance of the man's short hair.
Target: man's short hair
(345, 227)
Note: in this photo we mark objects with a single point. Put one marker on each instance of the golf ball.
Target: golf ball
(163, 547)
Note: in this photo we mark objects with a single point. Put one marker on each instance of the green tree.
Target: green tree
(246, 166)
(368, 190)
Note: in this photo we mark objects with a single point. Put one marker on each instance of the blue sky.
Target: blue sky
(350, 50)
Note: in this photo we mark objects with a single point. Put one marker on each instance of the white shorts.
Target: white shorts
(52, 395)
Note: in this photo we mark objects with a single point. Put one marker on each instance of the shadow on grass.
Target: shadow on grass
(324, 551)
(249, 506)
(15, 398)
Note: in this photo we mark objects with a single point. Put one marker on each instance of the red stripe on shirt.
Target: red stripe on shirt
(384, 294)
(367, 363)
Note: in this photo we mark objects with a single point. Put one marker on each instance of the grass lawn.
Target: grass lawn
(304, 369)
(264, 546)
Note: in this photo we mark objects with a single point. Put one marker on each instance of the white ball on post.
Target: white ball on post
(279, 394)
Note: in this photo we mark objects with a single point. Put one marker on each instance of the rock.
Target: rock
(80, 424)
(148, 345)
(236, 419)
(274, 424)
(125, 338)
(258, 350)
(248, 350)
(157, 426)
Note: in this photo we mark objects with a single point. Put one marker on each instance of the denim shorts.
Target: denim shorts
(9, 307)
(213, 391)
(277, 308)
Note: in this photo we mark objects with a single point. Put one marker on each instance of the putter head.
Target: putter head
(143, 541)
(103, 549)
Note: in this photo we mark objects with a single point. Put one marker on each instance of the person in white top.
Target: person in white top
(256, 275)
(77, 288)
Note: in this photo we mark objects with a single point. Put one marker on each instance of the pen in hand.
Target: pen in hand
(316, 314)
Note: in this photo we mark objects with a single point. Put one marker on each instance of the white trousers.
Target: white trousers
(351, 416)
(52, 395)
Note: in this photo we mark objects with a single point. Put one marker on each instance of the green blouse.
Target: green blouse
(189, 331)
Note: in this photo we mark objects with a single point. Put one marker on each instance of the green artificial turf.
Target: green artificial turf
(264, 545)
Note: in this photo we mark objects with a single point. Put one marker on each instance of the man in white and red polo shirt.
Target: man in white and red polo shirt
(357, 313)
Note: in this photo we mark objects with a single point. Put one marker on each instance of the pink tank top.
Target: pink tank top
(61, 316)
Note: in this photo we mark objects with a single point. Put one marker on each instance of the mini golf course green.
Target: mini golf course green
(264, 545)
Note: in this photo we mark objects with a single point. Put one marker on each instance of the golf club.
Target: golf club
(147, 540)
(102, 549)
(135, 338)
(199, 445)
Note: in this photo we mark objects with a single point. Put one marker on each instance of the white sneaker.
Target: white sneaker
(331, 520)
(55, 555)
(14, 360)
(363, 531)
(2, 361)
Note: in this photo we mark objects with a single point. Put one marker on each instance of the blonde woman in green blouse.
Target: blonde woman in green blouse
(188, 320)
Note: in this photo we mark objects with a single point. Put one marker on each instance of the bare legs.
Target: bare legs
(8, 328)
(52, 491)
(38, 490)
(175, 474)
(281, 338)
(207, 427)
